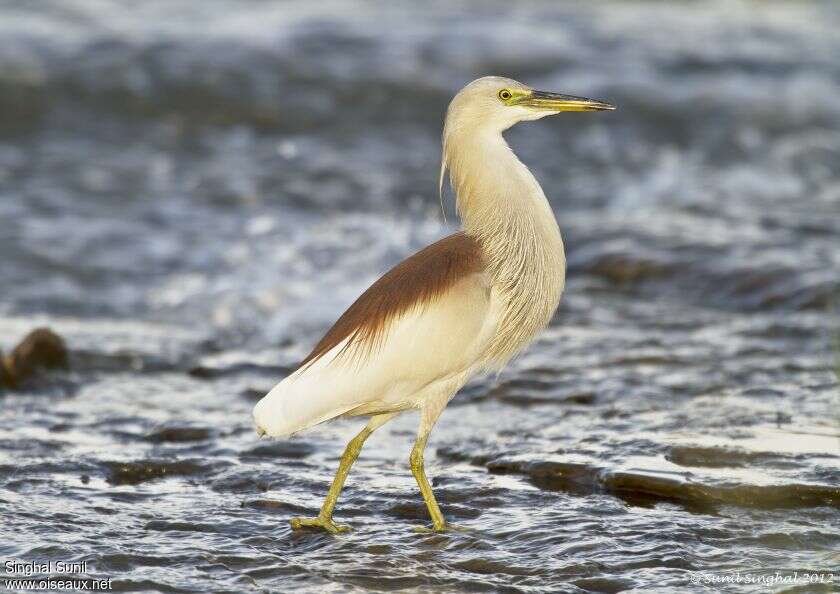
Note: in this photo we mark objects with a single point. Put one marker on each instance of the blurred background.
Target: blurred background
(191, 193)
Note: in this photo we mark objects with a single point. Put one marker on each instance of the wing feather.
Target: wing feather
(413, 284)
(424, 321)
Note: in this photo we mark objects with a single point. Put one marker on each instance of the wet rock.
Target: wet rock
(580, 398)
(681, 489)
(714, 457)
(134, 473)
(602, 584)
(5, 378)
(409, 510)
(621, 268)
(571, 477)
(254, 393)
(270, 505)
(483, 566)
(240, 481)
(648, 487)
(177, 434)
(127, 360)
(281, 449)
(460, 455)
(40, 349)
(532, 391)
(205, 371)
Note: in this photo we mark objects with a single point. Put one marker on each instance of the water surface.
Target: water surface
(192, 192)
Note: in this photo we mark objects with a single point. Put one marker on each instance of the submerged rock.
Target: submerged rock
(179, 434)
(280, 449)
(141, 471)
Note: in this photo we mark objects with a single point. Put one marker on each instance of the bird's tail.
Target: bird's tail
(294, 405)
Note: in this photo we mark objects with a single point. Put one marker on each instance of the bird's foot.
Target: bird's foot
(319, 522)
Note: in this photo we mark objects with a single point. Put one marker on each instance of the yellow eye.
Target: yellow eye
(504, 95)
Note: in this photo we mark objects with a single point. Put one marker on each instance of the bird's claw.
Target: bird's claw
(427, 530)
(322, 523)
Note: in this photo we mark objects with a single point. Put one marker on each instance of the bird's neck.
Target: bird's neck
(502, 205)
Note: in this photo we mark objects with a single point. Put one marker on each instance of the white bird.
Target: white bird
(463, 305)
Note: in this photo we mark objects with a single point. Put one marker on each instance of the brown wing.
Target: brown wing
(414, 282)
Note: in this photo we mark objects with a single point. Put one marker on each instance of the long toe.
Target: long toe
(431, 529)
(318, 523)
(335, 528)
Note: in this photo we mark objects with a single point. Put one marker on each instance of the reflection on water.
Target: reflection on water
(193, 191)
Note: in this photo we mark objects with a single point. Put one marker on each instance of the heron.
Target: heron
(464, 305)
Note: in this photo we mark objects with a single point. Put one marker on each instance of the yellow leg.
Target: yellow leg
(428, 416)
(351, 452)
(416, 459)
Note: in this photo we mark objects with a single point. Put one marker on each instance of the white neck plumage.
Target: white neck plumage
(502, 206)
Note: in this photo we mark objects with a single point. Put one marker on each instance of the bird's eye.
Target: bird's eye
(504, 95)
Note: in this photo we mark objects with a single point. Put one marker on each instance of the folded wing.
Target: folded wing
(426, 320)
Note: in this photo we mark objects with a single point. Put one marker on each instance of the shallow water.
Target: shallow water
(194, 191)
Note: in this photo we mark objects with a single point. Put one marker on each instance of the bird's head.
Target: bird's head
(499, 103)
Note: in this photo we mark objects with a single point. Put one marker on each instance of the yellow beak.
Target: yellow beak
(544, 100)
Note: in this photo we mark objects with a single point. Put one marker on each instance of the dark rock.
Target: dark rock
(254, 393)
(719, 457)
(273, 506)
(213, 372)
(5, 379)
(134, 473)
(580, 398)
(679, 489)
(280, 449)
(178, 434)
(40, 349)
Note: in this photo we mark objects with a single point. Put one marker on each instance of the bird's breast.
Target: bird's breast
(526, 289)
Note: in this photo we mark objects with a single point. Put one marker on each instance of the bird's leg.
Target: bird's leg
(428, 416)
(351, 452)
